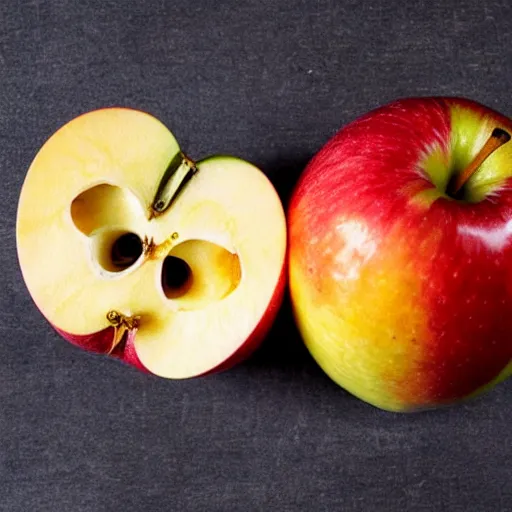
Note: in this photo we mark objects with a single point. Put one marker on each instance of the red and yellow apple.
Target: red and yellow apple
(130, 248)
(400, 266)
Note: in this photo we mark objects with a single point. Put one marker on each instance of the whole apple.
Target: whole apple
(400, 235)
(131, 249)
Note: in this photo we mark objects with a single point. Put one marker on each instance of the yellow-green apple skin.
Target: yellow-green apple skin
(403, 295)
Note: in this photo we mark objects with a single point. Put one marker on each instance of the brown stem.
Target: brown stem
(497, 139)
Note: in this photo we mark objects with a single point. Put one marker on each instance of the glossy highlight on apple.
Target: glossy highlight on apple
(401, 253)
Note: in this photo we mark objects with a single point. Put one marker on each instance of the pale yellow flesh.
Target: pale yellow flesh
(228, 223)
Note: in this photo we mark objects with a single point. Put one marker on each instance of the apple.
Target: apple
(400, 242)
(131, 249)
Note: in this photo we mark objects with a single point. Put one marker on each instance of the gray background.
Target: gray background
(270, 81)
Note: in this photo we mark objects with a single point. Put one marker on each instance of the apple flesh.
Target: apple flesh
(403, 293)
(129, 248)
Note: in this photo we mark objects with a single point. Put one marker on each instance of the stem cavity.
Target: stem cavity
(496, 140)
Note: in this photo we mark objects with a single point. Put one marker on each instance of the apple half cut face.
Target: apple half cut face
(131, 249)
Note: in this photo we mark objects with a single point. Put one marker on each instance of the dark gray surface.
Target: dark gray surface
(269, 81)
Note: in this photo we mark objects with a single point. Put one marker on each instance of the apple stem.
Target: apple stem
(121, 324)
(496, 140)
(179, 172)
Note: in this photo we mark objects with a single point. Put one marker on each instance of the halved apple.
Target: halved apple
(129, 248)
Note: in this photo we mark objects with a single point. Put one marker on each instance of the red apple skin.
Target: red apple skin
(422, 304)
(100, 342)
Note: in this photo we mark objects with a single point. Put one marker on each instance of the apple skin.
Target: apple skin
(100, 342)
(402, 295)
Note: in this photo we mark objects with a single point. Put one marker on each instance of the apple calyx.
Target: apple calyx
(122, 324)
(497, 139)
(177, 175)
